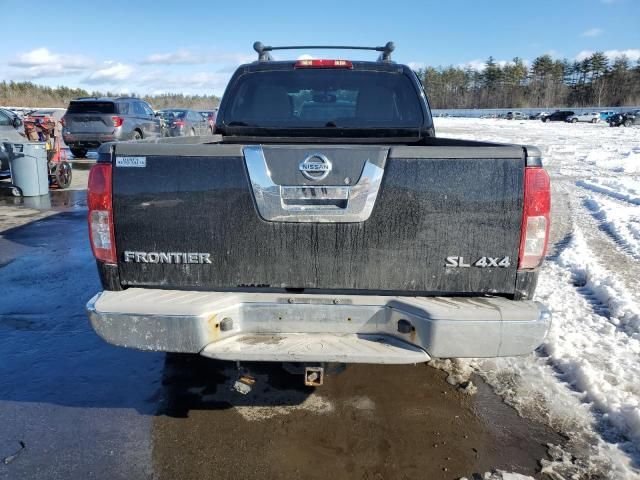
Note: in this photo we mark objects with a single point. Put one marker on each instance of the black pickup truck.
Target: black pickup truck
(325, 222)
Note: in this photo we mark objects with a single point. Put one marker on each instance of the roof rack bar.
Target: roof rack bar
(265, 56)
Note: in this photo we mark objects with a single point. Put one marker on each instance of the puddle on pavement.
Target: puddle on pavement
(56, 200)
(368, 421)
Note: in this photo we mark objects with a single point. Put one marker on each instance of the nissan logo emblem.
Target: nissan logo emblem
(315, 167)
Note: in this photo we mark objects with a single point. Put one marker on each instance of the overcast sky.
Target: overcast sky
(193, 46)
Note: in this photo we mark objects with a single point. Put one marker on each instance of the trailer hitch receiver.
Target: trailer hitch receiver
(313, 376)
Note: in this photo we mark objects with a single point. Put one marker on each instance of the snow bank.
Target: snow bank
(599, 355)
(621, 222)
(601, 286)
(626, 189)
(585, 379)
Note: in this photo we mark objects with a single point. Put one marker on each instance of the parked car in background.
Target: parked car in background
(516, 116)
(605, 114)
(91, 121)
(8, 133)
(589, 117)
(210, 116)
(538, 116)
(559, 116)
(9, 118)
(185, 122)
(627, 119)
(164, 125)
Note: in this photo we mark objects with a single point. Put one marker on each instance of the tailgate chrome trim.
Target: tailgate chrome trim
(317, 204)
(179, 321)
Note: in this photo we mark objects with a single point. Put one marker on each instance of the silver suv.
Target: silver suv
(90, 122)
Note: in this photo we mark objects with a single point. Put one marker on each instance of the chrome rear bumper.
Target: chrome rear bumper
(317, 327)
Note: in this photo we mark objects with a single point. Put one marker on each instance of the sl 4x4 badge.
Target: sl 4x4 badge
(482, 262)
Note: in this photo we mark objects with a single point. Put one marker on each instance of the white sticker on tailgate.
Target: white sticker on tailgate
(131, 162)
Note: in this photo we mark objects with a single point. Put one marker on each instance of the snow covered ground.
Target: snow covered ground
(585, 380)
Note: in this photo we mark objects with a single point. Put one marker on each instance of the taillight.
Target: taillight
(117, 121)
(535, 217)
(62, 121)
(323, 64)
(179, 123)
(101, 213)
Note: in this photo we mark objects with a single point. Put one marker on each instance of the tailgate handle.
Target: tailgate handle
(304, 203)
(321, 197)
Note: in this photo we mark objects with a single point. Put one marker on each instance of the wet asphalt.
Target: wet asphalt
(86, 409)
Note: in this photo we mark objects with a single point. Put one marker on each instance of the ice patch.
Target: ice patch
(313, 404)
(501, 475)
(362, 403)
(563, 465)
(459, 370)
(264, 402)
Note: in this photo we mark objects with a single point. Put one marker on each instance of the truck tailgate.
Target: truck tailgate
(384, 219)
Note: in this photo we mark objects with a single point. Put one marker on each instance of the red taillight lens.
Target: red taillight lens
(179, 123)
(101, 213)
(323, 64)
(535, 217)
(117, 121)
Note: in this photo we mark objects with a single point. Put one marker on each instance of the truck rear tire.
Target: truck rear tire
(78, 152)
(627, 123)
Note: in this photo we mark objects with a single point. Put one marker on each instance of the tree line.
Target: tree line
(547, 83)
(28, 94)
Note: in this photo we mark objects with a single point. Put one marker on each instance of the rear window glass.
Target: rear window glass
(324, 98)
(123, 108)
(92, 107)
(172, 114)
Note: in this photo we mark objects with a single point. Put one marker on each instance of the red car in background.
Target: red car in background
(210, 116)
